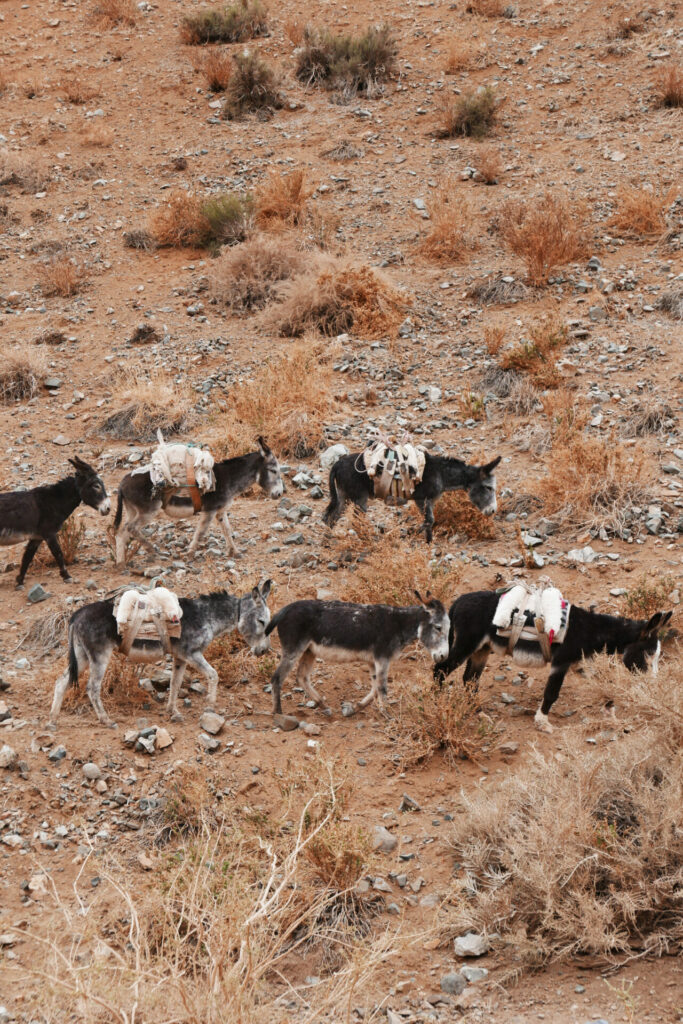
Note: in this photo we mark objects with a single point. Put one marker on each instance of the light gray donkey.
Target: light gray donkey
(93, 638)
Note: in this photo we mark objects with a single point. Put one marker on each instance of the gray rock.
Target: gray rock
(332, 455)
(408, 804)
(209, 743)
(508, 748)
(383, 840)
(92, 771)
(597, 313)
(453, 983)
(582, 555)
(57, 754)
(474, 973)
(8, 756)
(471, 945)
(380, 884)
(36, 594)
(211, 722)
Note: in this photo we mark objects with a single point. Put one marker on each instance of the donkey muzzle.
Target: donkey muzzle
(261, 646)
(104, 507)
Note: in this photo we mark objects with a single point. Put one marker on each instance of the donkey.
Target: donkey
(37, 515)
(142, 500)
(340, 631)
(93, 638)
(473, 636)
(350, 482)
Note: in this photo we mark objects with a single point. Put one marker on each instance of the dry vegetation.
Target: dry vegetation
(537, 354)
(78, 92)
(669, 86)
(62, 276)
(456, 516)
(253, 88)
(217, 70)
(140, 405)
(452, 227)
(545, 233)
(461, 55)
(111, 13)
(21, 170)
(347, 63)
(244, 277)
(487, 8)
(230, 24)
(648, 596)
(21, 374)
(604, 876)
(641, 212)
(187, 220)
(282, 201)
(471, 114)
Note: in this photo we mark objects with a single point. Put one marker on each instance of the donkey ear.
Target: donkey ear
(264, 589)
(489, 467)
(265, 450)
(418, 595)
(80, 465)
(652, 625)
(666, 619)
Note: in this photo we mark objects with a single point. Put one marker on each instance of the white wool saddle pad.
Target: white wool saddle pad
(140, 612)
(545, 603)
(181, 465)
(395, 469)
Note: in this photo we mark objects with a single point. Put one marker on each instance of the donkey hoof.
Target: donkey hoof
(541, 722)
(68, 579)
(348, 709)
(19, 585)
(176, 717)
(109, 722)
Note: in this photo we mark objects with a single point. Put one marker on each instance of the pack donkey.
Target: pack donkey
(349, 481)
(142, 500)
(473, 636)
(93, 638)
(38, 514)
(341, 631)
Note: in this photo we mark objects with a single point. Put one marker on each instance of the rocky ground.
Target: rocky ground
(580, 119)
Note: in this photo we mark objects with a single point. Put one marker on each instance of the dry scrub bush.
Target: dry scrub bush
(461, 55)
(287, 402)
(21, 374)
(71, 537)
(120, 689)
(391, 569)
(235, 24)
(471, 114)
(115, 12)
(455, 515)
(567, 415)
(346, 62)
(140, 406)
(537, 354)
(336, 297)
(282, 199)
(654, 418)
(295, 31)
(190, 221)
(669, 86)
(217, 70)
(253, 86)
(61, 276)
(625, 25)
(641, 212)
(545, 233)
(523, 397)
(471, 406)
(494, 291)
(595, 483)
(452, 230)
(604, 877)
(487, 8)
(48, 632)
(424, 718)
(671, 302)
(489, 165)
(16, 169)
(648, 597)
(76, 91)
(99, 136)
(244, 276)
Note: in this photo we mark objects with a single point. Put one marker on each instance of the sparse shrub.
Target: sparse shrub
(282, 199)
(455, 515)
(100, 136)
(243, 277)
(489, 165)
(494, 291)
(625, 25)
(641, 213)
(391, 569)
(21, 373)
(471, 406)
(648, 596)
(188, 806)
(50, 336)
(253, 86)
(77, 91)
(229, 218)
(287, 402)
(669, 86)
(347, 62)
(537, 354)
(567, 415)
(487, 8)
(546, 233)
(424, 719)
(471, 114)
(654, 418)
(190, 221)
(115, 12)
(461, 56)
(71, 537)
(671, 302)
(217, 70)
(139, 407)
(295, 31)
(523, 397)
(23, 171)
(452, 231)
(61, 276)
(234, 24)
(344, 151)
(138, 239)
(494, 336)
(337, 297)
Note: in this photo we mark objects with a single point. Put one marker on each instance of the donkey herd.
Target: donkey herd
(309, 629)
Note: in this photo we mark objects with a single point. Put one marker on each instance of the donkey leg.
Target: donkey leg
(197, 659)
(98, 667)
(378, 689)
(550, 695)
(429, 519)
(476, 663)
(205, 520)
(227, 533)
(287, 662)
(303, 676)
(27, 558)
(58, 555)
(174, 689)
(461, 650)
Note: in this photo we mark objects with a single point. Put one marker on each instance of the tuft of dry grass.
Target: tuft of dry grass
(455, 515)
(21, 374)
(282, 199)
(48, 632)
(140, 405)
(287, 402)
(461, 55)
(472, 114)
(111, 13)
(243, 277)
(494, 291)
(648, 596)
(188, 221)
(16, 169)
(594, 482)
(253, 88)
(217, 70)
(62, 276)
(641, 212)
(424, 719)
(546, 233)
(349, 63)
(230, 24)
(489, 165)
(668, 86)
(624, 25)
(336, 297)
(452, 230)
(78, 92)
(391, 569)
(654, 418)
(295, 31)
(487, 8)
(671, 302)
(99, 136)
(537, 354)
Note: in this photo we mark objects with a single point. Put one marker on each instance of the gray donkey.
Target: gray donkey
(341, 631)
(142, 500)
(93, 638)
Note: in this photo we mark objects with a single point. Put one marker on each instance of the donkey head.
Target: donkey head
(254, 617)
(435, 628)
(269, 477)
(482, 490)
(644, 652)
(90, 486)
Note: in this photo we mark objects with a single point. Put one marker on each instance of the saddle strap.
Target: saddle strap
(543, 638)
(132, 628)
(516, 626)
(192, 482)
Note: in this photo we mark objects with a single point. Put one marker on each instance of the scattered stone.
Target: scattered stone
(508, 748)
(37, 594)
(383, 840)
(61, 440)
(471, 945)
(164, 738)
(57, 754)
(209, 743)
(474, 973)
(408, 804)
(92, 771)
(145, 861)
(453, 983)
(286, 722)
(211, 722)
(310, 728)
(8, 756)
(379, 884)
(583, 555)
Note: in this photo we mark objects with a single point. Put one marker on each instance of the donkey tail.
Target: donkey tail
(73, 660)
(119, 510)
(332, 509)
(274, 622)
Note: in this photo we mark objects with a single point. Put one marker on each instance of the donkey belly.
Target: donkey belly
(9, 537)
(525, 653)
(335, 652)
(147, 652)
(181, 510)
